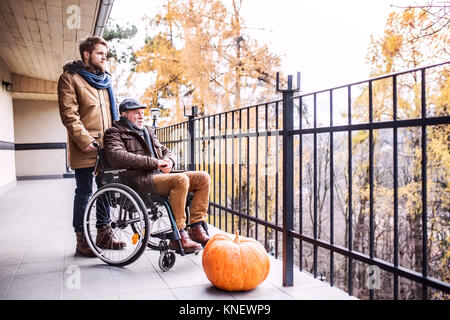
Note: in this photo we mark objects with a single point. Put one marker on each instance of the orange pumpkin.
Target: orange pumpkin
(235, 265)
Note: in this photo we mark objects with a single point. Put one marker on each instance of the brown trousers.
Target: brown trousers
(177, 186)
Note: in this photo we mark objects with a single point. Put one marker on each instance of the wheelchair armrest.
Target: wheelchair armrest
(113, 175)
(114, 171)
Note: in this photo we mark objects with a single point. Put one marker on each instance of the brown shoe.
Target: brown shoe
(83, 248)
(188, 245)
(198, 234)
(105, 239)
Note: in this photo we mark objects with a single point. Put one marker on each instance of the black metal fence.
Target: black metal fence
(349, 183)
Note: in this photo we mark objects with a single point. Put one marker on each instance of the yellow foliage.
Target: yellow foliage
(404, 44)
(200, 56)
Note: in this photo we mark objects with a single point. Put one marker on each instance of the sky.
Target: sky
(326, 40)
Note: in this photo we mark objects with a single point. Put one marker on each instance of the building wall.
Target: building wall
(39, 138)
(7, 160)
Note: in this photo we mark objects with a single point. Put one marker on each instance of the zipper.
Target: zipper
(101, 110)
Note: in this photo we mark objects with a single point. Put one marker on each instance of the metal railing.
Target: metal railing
(306, 176)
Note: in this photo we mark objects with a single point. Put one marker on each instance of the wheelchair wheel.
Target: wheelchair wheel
(166, 260)
(159, 223)
(119, 207)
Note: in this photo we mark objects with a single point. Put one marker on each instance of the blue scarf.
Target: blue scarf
(101, 81)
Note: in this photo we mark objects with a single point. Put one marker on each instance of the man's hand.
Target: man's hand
(165, 165)
(90, 147)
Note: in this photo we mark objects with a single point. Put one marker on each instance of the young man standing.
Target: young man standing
(87, 108)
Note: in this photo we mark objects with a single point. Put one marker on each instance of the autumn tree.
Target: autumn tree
(201, 55)
(404, 46)
(439, 19)
(115, 34)
(120, 56)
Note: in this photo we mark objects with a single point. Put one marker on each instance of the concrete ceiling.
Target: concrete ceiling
(38, 36)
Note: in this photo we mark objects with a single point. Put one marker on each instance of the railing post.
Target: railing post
(288, 179)
(191, 129)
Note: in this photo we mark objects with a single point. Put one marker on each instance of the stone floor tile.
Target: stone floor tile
(39, 267)
(36, 281)
(35, 293)
(264, 291)
(128, 280)
(184, 273)
(165, 294)
(319, 293)
(202, 292)
(6, 276)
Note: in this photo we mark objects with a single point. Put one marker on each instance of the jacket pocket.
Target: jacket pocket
(134, 146)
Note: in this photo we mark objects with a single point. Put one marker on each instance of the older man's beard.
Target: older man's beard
(136, 123)
(139, 126)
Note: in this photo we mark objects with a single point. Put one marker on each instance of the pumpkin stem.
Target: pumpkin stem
(236, 239)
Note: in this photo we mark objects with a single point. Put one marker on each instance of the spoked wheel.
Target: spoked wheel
(120, 208)
(159, 224)
(166, 260)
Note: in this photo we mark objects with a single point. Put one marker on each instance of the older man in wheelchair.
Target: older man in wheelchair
(132, 145)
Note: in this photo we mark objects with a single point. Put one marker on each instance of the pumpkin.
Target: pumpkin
(238, 264)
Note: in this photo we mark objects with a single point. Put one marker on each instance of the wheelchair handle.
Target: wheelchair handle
(97, 160)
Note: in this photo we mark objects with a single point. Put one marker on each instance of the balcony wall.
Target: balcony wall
(7, 161)
(38, 125)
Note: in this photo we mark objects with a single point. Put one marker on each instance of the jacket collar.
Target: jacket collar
(72, 66)
(123, 129)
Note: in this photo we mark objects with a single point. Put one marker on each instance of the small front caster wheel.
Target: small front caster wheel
(166, 260)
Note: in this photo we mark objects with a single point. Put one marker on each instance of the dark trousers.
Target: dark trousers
(83, 191)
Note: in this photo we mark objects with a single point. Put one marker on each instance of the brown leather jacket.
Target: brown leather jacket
(85, 112)
(125, 148)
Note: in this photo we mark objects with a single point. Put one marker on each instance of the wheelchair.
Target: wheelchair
(140, 220)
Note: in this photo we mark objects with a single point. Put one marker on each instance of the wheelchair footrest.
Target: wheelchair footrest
(196, 252)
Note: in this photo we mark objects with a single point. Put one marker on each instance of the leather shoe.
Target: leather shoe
(83, 248)
(198, 234)
(187, 244)
(105, 239)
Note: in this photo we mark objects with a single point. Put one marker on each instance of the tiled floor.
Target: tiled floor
(37, 260)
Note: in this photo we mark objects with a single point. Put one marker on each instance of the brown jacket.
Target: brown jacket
(85, 112)
(125, 148)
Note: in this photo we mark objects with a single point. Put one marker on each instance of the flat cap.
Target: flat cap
(130, 104)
